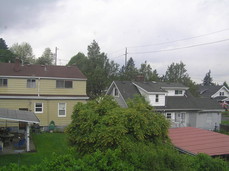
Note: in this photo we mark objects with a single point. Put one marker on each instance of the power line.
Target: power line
(179, 48)
(189, 38)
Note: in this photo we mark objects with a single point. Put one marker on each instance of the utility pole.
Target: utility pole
(56, 55)
(125, 57)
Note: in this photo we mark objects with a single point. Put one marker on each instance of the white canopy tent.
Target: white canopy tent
(20, 116)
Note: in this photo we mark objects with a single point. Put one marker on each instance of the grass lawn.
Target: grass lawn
(46, 144)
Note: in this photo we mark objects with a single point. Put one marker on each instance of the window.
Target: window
(221, 93)
(31, 83)
(3, 82)
(157, 98)
(63, 84)
(178, 91)
(38, 108)
(168, 115)
(116, 92)
(62, 109)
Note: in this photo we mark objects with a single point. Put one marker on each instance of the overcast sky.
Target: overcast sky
(150, 29)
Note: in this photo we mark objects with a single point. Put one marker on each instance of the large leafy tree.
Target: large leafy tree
(47, 57)
(102, 124)
(225, 84)
(208, 79)
(99, 70)
(23, 51)
(5, 54)
(177, 72)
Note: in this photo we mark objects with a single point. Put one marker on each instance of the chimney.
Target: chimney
(17, 65)
(140, 78)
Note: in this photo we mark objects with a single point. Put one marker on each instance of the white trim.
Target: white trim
(215, 94)
(121, 95)
(35, 107)
(114, 88)
(175, 88)
(160, 92)
(44, 98)
(49, 78)
(65, 107)
(20, 120)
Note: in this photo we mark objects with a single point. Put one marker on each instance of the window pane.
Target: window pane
(62, 109)
(61, 112)
(3, 82)
(59, 83)
(38, 107)
(31, 83)
(68, 84)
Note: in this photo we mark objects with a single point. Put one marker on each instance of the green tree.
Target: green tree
(3, 44)
(208, 79)
(129, 72)
(100, 72)
(102, 124)
(147, 72)
(5, 54)
(47, 57)
(23, 51)
(177, 72)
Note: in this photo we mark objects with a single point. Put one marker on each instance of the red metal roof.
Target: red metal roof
(12, 69)
(196, 140)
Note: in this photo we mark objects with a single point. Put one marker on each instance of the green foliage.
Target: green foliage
(128, 72)
(3, 45)
(102, 124)
(147, 72)
(46, 58)
(5, 54)
(225, 84)
(24, 52)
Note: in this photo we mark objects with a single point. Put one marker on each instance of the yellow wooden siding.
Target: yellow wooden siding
(43, 86)
(50, 109)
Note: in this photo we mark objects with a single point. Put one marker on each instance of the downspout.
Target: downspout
(38, 87)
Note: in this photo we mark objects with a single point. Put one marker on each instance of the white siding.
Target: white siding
(172, 93)
(226, 93)
(161, 100)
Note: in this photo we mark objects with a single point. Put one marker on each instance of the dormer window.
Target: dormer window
(178, 92)
(115, 92)
(157, 98)
(221, 93)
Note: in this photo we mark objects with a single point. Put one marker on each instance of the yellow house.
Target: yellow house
(49, 91)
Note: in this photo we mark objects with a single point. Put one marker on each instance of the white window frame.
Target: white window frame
(221, 93)
(167, 116)
(178, 92)
(114, 92)
(31, 83)
(2, 82)
(157, 98)
(38, 107)
(65, 109)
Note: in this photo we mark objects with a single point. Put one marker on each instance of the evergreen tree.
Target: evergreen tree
(208, 79)
(129, 72)
(5, 54)
(147, 72)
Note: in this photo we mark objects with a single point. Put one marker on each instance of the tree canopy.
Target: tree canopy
(47, 57)
(208, 79)
(5, 54)
(23, 51)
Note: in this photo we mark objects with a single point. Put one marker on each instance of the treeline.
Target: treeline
(24, 52)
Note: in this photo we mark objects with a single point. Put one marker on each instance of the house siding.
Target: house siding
(50, 109)
(43, 86)
(208, 120)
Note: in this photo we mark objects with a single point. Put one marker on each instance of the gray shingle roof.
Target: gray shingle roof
(127, 89)
(187, 102)
(208, 91)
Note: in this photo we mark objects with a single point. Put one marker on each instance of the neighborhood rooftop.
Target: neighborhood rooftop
(194, 140)
(51, 71)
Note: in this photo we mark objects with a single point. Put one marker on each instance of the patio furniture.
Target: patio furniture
(20, 143)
